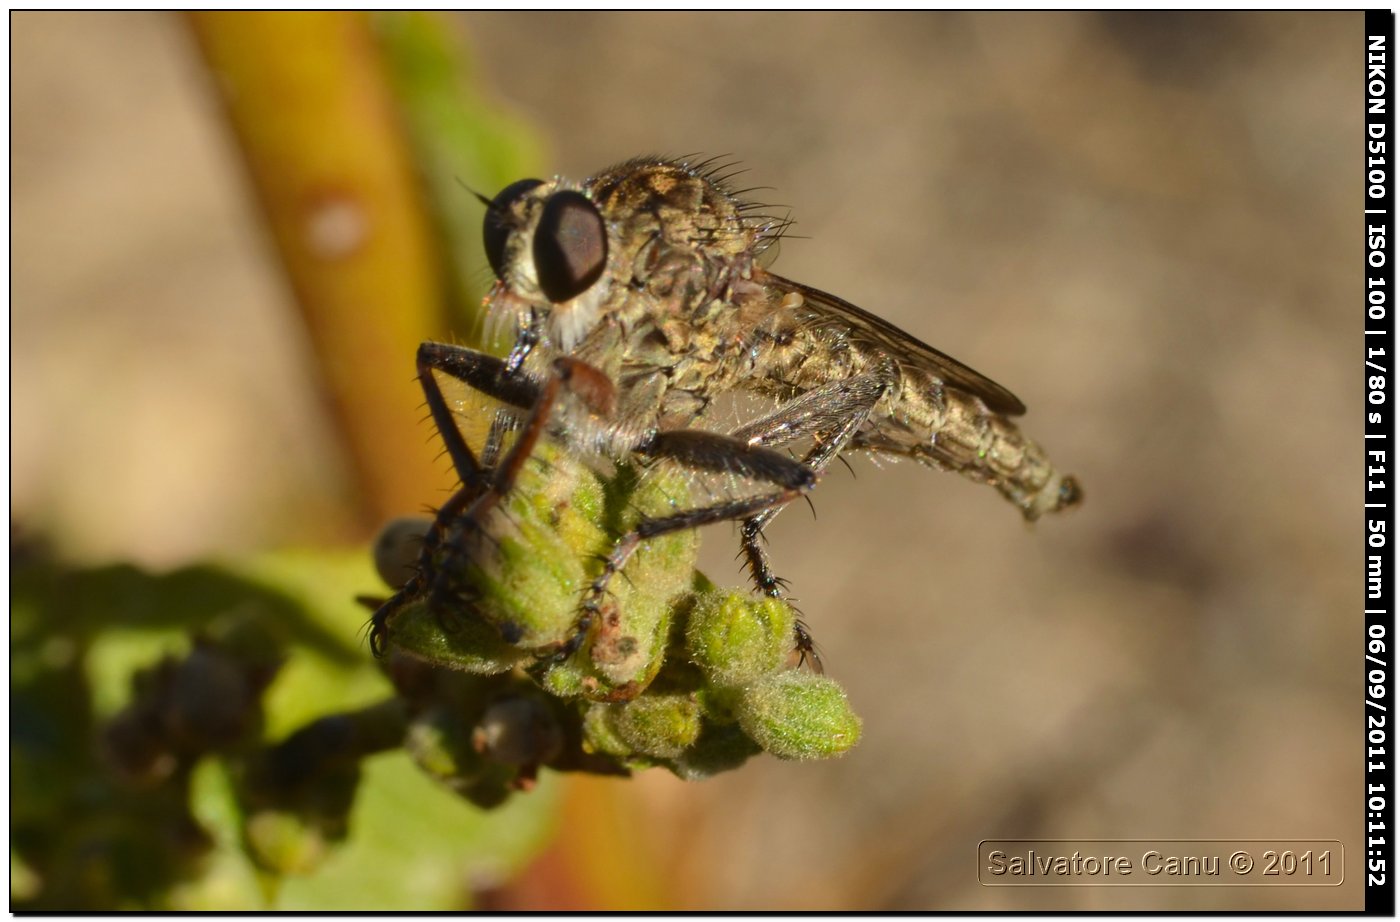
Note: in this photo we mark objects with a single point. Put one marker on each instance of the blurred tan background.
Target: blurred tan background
(1146, 226)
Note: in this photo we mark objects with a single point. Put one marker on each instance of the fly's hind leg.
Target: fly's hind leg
(701, 451)
(831, 415)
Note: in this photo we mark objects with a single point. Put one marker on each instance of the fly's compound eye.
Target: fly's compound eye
(570, 247)
(494, 229)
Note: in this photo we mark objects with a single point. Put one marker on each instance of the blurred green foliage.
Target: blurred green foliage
(134, 748)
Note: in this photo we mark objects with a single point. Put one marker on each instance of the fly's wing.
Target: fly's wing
(944, 413)
(914, 356)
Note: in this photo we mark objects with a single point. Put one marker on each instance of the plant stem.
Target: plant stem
(309, 104)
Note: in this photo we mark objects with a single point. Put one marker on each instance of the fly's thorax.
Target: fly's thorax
(679, 333)
(686, 247)
(682, 204)
(664, 229)
(791, 354)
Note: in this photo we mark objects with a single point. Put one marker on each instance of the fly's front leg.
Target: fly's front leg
(459, 363)
(832, 415)
(479, 371)
(494, 378)
(475, 474)
(480, 478)
(446, 520)
(702, 451)
(527, 337)
(484, 482)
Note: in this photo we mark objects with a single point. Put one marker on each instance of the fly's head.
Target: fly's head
(572, 253)
(549, 246)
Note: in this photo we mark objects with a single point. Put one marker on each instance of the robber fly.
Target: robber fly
(640, 296)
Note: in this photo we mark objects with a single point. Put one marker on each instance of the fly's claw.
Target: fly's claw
(379, 633)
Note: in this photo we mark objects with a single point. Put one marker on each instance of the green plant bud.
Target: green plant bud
(661, 726)
(630, 633)
(720, 748)
(519, 730)
(658, 572)
(567, 679)
(663, 567)
(134, 744)
(493, 787)
(629, 642)
(471, 645)
(283, 843)
(625, 651)
(720, 703)
(798, 715)
(294, 812)
(396, 549)
(520, 569)
(564, 496)
(599, 734)
(213, 705)
(736, 638)
(448, 749)
(526, 579)
(440, 741)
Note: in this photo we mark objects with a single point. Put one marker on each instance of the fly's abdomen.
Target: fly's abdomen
(991, 448)
(935, 410)
(954, 431)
